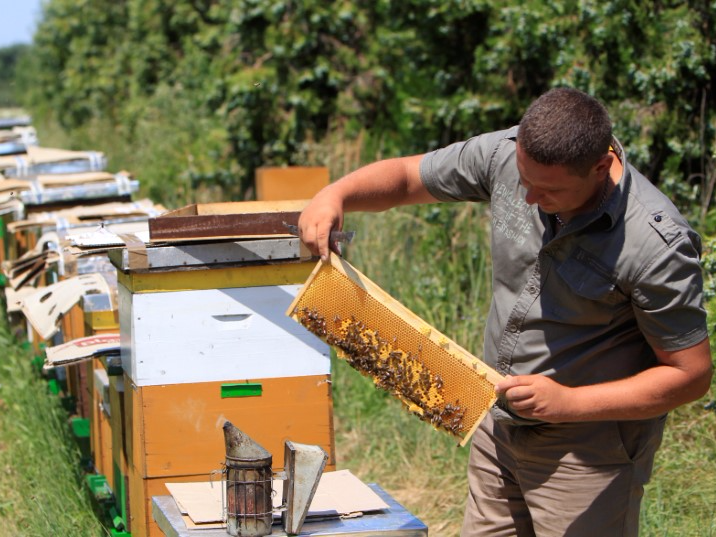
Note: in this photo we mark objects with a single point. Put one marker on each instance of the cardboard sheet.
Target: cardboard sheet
(45, 308)
(82, 178)
(76, 215)
(29, 269)
(40, 257)
(109, 235)
(14, 298)
(42, 155)
(80, 349)
(339, 493)
(8, 186)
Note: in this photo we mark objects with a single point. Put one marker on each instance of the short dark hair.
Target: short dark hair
(566, 127)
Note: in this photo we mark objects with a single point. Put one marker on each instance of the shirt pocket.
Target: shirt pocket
(586, 291)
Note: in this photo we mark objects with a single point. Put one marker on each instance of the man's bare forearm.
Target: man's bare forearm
(681, 377)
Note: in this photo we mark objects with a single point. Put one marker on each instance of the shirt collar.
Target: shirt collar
(617, 200)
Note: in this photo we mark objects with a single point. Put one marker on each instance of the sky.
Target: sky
(18, 19)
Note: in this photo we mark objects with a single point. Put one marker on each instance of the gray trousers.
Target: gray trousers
(574, 479)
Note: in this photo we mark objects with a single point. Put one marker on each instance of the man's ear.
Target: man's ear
(603, 165)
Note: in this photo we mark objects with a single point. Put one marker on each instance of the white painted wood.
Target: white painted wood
(214, 335)
(212, 254)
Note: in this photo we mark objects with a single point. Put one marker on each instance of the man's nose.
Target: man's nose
(533, 195)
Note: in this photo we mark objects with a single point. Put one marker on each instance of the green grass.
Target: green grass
(41, 491)
(681, 498)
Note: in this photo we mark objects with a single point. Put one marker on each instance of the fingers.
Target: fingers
(323, 214)
(315, 232)
(516, 390)
(508, 382)
(520, 393)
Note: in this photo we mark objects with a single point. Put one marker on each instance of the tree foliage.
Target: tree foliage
(9, 57)
(263, 80)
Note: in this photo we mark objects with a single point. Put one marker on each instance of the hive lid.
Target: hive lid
(226, 220)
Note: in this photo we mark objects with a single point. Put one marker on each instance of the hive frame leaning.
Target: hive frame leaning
(421, 331)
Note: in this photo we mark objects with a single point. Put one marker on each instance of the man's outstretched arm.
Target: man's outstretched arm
(375, 187)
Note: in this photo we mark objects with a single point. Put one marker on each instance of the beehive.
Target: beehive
(433, 376)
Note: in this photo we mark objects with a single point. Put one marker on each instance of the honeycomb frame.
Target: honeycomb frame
(433, 376)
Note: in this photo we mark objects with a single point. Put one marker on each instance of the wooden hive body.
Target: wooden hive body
(432, 375)
(195, 332)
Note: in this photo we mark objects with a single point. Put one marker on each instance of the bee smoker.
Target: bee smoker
(248, 474)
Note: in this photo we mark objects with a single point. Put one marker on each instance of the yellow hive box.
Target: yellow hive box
(432, 375)
(290, 182)
(176, 429)
(78, 383)
(174, 432)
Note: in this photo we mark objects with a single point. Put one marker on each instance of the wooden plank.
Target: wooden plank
(433, 376)
(100, 408)
(119, 420)
(101, 322)
(249, 207)
(176, 429)
(290, 182)
(205, 255)
(141, 492)
(78, 385)
(233, 219)
(100, 426)
(253, 275)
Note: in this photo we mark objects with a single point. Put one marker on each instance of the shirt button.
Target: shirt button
(532, 290)
(512, 328)
(657, 218)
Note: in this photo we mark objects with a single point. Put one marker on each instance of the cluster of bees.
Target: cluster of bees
(391, 369)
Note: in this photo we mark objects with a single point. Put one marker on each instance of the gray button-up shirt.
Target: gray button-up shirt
(588, 304)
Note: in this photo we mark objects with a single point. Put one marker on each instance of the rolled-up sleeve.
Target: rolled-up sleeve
(667, 297)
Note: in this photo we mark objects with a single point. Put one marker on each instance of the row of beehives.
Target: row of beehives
(153, 344)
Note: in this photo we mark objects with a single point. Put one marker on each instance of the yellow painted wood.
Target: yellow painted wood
(141, 522)
(216, 278)
(176, 429)
(238, 207)
(100, 432)
(118, 425)
(78, 384)
(100, 322)
(290, 182)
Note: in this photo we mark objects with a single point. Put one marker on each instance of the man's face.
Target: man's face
(555, 189)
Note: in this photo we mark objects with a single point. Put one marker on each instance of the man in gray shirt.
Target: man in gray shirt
(596, 320)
